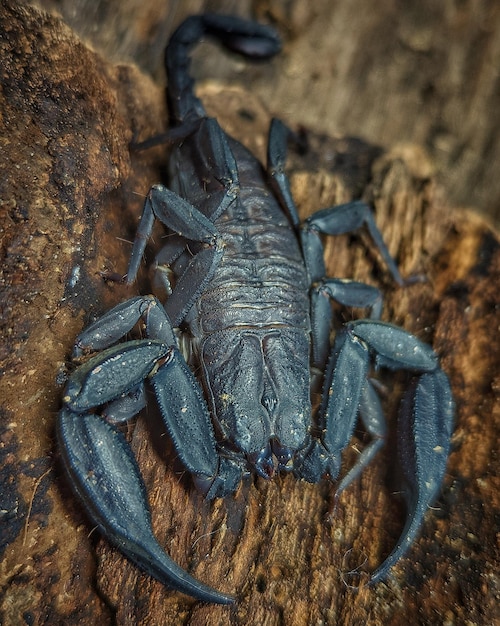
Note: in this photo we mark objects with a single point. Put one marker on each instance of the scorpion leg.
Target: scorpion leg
(425, 422)
(171, 252)
(346, 292)
(338, 220)
(193, 226)
(175, 213)
(276, 161)
(187, 221)
(359, 295)
(120, 320)
(354, 294)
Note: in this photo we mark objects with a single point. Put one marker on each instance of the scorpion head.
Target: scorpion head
(259, 391)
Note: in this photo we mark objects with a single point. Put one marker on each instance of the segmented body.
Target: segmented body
(252, 314)
(261, 280)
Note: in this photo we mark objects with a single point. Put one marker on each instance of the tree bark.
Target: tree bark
(71, 195)
(421, 72)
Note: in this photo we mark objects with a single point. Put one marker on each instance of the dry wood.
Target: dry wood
(71, 192)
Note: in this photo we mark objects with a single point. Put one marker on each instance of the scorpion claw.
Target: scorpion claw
(425, 427)
(105, 475)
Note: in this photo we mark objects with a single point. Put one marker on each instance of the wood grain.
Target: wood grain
(71, 193)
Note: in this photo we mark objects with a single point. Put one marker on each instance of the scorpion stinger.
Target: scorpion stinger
(250, 304)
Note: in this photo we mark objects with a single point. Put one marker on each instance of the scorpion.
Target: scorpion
(249, 309)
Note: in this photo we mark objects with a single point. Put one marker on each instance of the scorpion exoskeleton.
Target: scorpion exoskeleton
(248, 288)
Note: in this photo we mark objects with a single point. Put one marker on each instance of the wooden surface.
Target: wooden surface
(418, 71)
(71, 193)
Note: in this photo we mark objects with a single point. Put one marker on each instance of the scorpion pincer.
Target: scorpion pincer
(247, 285)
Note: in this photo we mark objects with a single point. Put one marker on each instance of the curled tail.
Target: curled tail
(247, 38)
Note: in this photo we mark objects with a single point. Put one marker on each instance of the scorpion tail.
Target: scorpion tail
(247, 38)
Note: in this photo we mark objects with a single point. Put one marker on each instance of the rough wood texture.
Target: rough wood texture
(423, 72)
(70, 194)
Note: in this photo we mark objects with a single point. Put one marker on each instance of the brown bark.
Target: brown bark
(70, 194)
(421, 72)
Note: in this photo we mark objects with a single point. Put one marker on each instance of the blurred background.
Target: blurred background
(419, 72)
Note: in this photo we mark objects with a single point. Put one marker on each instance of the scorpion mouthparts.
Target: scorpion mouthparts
(263, 462)
(284, 455)
(271, 459)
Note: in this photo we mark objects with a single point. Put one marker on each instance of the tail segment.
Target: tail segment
(237, 35)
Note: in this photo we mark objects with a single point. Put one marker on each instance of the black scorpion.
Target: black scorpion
(248, 289)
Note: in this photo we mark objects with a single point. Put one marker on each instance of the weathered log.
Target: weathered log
(71, 192)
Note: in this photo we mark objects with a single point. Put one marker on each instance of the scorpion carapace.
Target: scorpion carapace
(247, 286)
